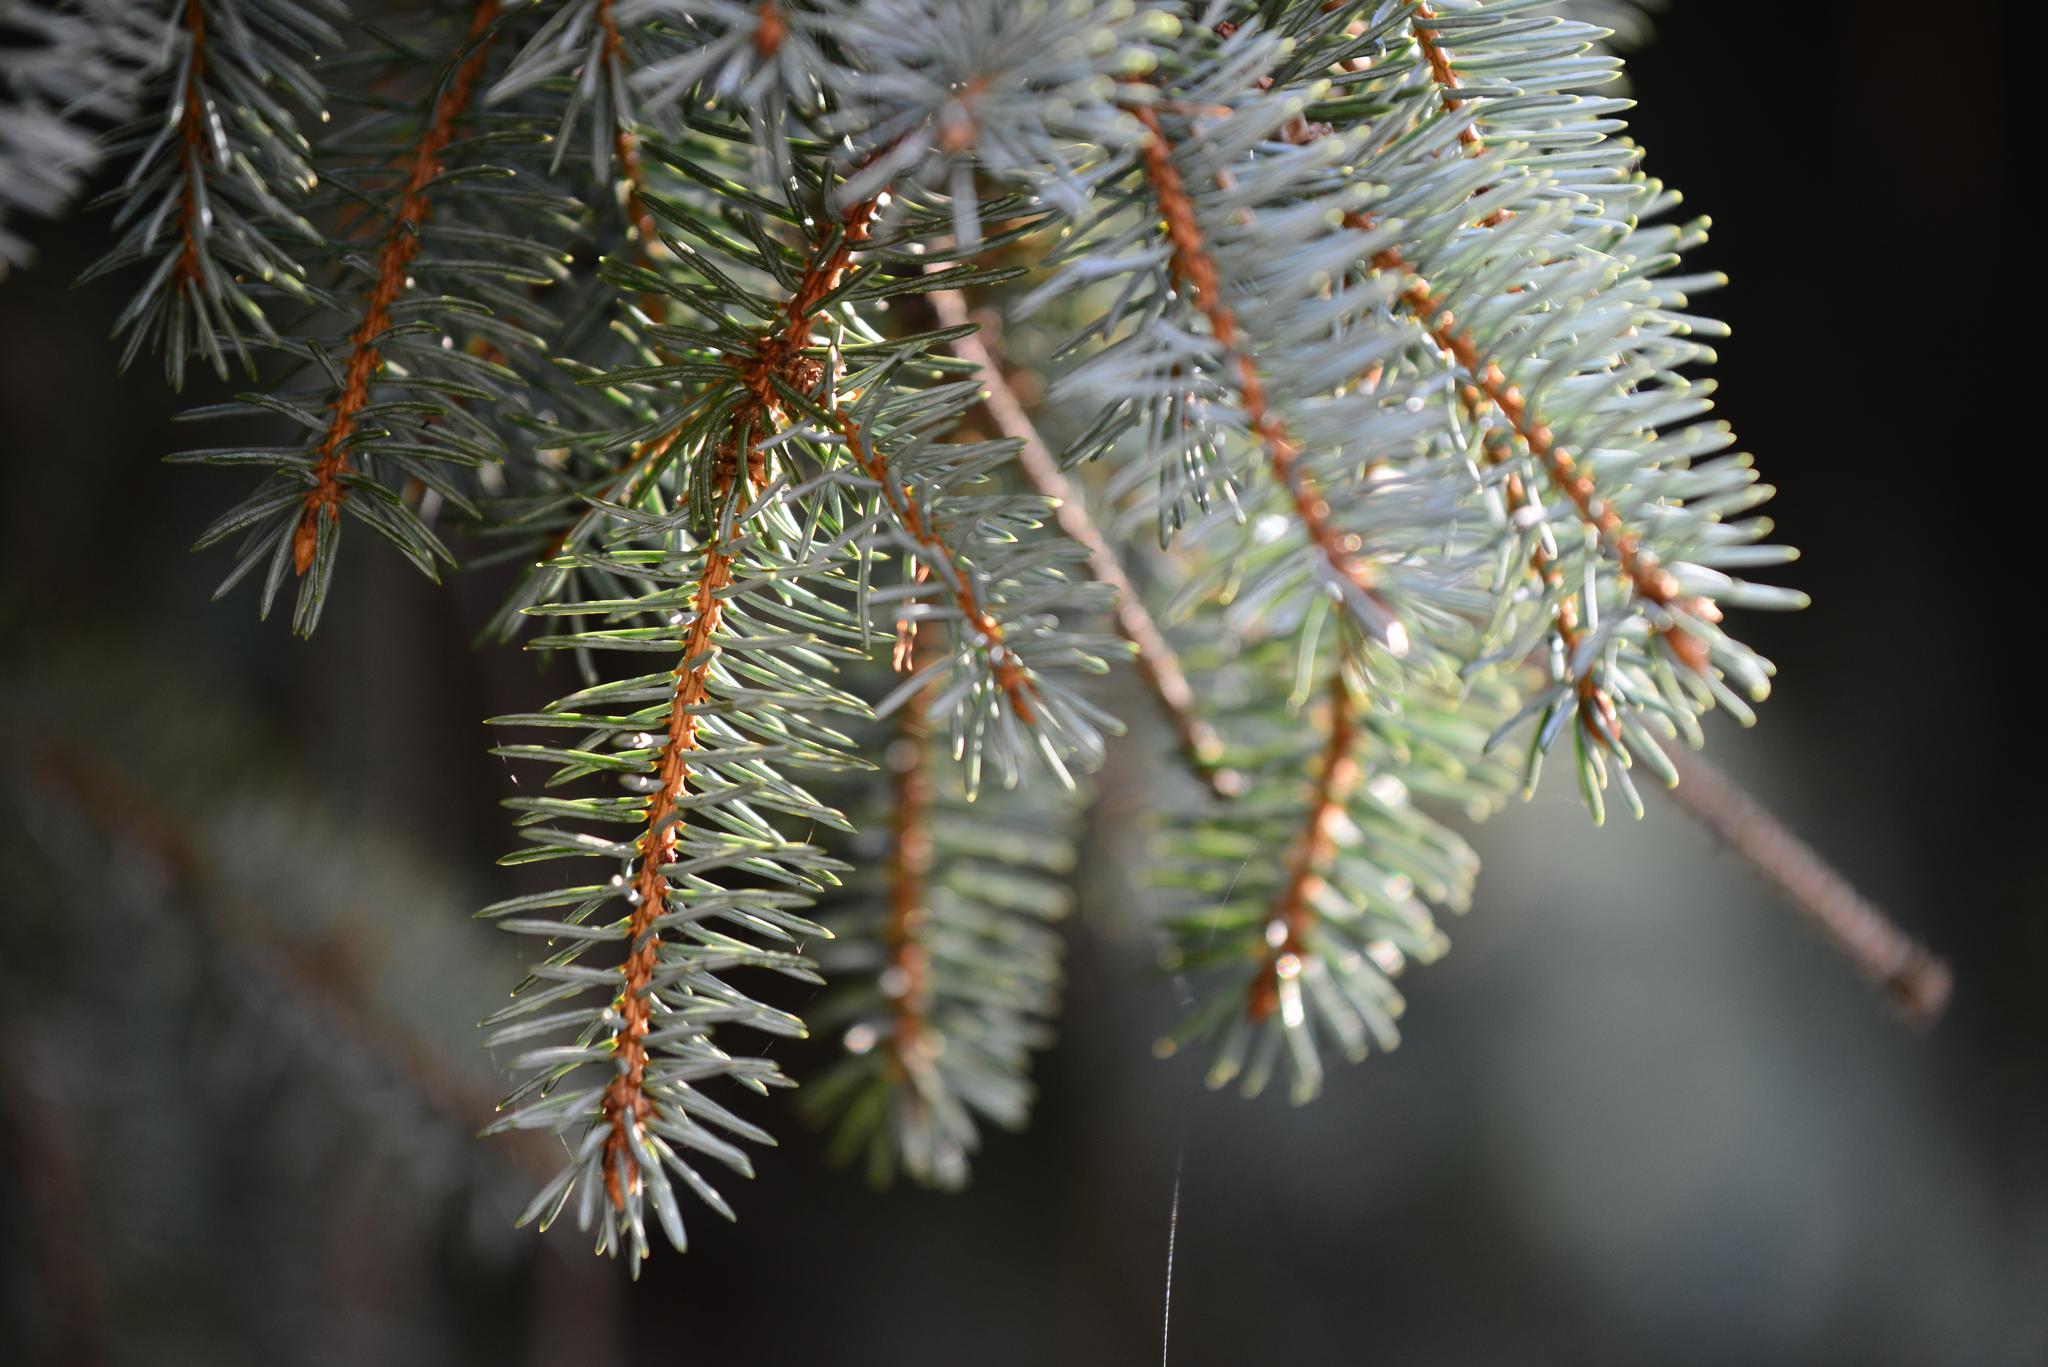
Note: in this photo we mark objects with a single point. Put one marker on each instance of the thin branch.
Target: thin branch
(1650, 580)
(190, 269)
(1648, 577)
(401, 245)
(917, 522)
(1294, 913)
(1916, 980)
(626, 147)
(906, 976)
(1195, 270)
(1158, 664)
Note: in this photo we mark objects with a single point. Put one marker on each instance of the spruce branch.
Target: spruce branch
(1013, 680)
(318, 990)
(72, 68)
(214, 201)
(945, 983)
(1567, 473)
(627, 1105)
(322, 502)
(1195, 270)
(1157, 662)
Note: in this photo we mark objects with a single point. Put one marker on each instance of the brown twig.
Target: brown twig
(1195, 270)
(906, 977)
(1158, 664)
(626, 147)
(1010, 675)
(401, 245)
(1294, 913)
(192, 130)
(1916, 980)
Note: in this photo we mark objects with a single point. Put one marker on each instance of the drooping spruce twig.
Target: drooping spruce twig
(215, 203)
(1195, 269)
(322, 502)
(779, 359)
(946, 979)
(1157, 662)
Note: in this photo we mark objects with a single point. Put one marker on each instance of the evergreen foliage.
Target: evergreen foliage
(1364, 311)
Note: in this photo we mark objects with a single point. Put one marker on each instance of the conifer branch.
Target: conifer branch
(915, 518)
(1193, 269)
(778, 357)
(313, 985)
(626, 1103)
(1917, 981)
(210, 201)
(1486, 378)
(1157, 662)
(401, 244)
(1650, 579)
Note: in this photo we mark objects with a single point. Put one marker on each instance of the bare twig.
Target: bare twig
(1917, 981)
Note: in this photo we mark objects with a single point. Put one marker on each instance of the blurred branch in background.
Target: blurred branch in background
(323, 983)
(239, 1060)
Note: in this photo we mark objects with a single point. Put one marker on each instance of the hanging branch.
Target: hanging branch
(912, 515)
(778, 357)
(401, 244)
(626, 1103)
(211, 203)
(1193, 269)
(1158, 663)
(1651, 580)
(1917, 981)
(1597, 714)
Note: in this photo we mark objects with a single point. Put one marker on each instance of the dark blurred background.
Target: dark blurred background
(1642, 1115)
